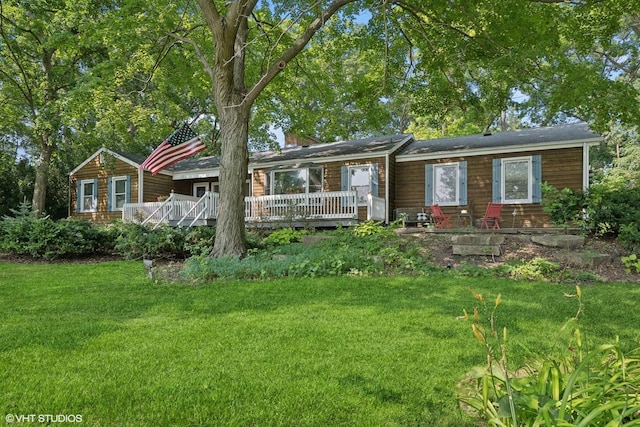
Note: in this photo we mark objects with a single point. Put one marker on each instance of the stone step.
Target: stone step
(478, 239)
(568, 241)
(493, 250)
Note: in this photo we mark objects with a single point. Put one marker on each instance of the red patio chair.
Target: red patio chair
(442, 221)
(491, 218)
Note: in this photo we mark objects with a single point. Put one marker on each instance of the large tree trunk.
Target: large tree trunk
(42, 177)
(233, 111)
(230, 231)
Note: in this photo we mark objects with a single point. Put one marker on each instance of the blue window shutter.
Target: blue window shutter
(462, 176)
(79, 197)
(374, 180)
(428, 184)
(95, 193)
(344, 182)
(536, 163)
(497, 181)
(344, 178)
(109, 193)
(127, 197)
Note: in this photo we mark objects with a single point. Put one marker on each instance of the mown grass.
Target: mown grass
(102, 341)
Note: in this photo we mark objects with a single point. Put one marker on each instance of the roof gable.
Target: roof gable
(131, 159)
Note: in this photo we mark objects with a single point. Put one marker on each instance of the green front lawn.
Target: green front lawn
(101, 341)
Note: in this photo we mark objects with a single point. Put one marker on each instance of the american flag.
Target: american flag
(181, 144)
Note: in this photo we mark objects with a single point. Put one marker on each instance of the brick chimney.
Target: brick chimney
(292, 140)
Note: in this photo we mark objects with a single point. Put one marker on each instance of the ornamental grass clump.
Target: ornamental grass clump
(582, 387)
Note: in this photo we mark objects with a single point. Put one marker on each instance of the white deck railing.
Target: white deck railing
(376, 208)
(332, 205)
(178, 207)
(185, 210)
(202, 209)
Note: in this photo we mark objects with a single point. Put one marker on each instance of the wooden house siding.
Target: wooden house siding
(560, 168)
(157, 187)
(154, 187)
(258, 182)
(94, 170)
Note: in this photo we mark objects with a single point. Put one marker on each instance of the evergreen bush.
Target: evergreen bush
(27, 234)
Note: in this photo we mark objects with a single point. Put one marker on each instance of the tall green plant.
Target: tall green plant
(598, 387)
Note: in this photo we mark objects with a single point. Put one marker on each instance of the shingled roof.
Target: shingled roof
(570, 133)
(366, 147)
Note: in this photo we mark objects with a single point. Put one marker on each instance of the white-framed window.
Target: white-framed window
(119, 189)
(199, 188)
(361, 178)
(446, 184)
(516, 180)
(88, 195)
(295, 181)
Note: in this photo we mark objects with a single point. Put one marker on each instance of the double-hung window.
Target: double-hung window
(516, 180)
(119, 192)
(363, 179)
(446, 184)
(88, 195)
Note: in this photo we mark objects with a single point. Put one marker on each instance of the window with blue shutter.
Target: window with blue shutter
(87, 195)
(446, 184)
(118, 192)
(516, 180)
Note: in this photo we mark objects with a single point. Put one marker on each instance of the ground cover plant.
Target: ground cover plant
(104, 342)
(368, 249)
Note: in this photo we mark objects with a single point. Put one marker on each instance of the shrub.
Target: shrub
(137, 241)
(631, 262)
(536, 269)
(27, 234)
(615, 210)
(283, 236)
(564, 207)
(372, 228)
(584, 387)
(199, 241)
